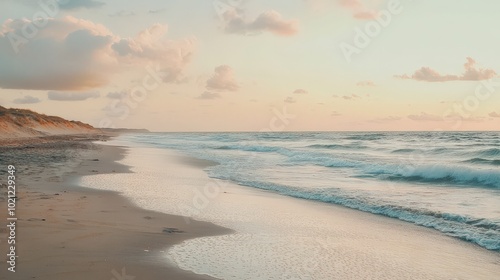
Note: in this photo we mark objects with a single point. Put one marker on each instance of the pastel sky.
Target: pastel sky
(252, 65)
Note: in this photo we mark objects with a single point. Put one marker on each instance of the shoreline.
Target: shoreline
(277, 235)
(66, 231)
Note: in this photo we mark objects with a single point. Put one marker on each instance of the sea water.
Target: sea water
(281, 194)
(448, 181)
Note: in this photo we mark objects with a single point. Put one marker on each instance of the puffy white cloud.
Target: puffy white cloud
(67, 54)
(289, 100)
(71, 54)
(150, 45)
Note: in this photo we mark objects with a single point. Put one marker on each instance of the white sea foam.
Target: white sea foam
(279, 237)
(424, 178)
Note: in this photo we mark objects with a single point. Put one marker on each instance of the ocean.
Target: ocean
(447, 181)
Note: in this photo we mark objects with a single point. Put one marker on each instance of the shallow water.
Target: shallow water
(448, 181)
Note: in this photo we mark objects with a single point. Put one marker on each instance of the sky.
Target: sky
(255, 65)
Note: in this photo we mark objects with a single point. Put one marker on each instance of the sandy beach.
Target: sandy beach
(68, 232)
(109, 211)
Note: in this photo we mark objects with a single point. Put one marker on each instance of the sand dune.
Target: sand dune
(22, 123)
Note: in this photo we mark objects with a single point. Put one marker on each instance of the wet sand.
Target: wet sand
(69, 232)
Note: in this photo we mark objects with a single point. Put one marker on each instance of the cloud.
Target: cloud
(117, 95)
(289, 100)
(365, 15)
(335, 114)
(28, 99)
(150, 46)
(494, 115)
(425, 117)
(222, 79)
(365, 84)
(71, 96)
(209, 95)
(71, 54)
(270, 21)
(359, 9)
(67, 54)
(347, 97)
(471, 73)
(300, 91)
(350, 97)
(76, 4)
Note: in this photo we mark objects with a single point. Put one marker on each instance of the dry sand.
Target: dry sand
(68, 232)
